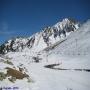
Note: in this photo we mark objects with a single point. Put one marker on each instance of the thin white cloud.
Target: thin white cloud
(4, 30)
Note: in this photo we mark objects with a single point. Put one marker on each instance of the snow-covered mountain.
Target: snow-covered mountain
(64, 65)
(47, 37)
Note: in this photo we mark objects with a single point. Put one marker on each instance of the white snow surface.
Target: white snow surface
(74, 53)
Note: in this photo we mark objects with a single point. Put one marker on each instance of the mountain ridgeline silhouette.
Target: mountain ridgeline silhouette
(45, 38)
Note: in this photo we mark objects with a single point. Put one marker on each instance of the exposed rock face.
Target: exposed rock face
(15, 73)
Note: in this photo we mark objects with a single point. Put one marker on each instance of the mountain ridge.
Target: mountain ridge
(42, 39)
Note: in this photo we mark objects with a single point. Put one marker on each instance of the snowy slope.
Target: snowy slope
(76, 47)
(78, 43)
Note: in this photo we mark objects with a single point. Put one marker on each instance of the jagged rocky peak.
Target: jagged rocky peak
(60, 29)
(48, 36)
(66, 23)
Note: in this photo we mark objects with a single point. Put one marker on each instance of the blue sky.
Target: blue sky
(25, 17)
